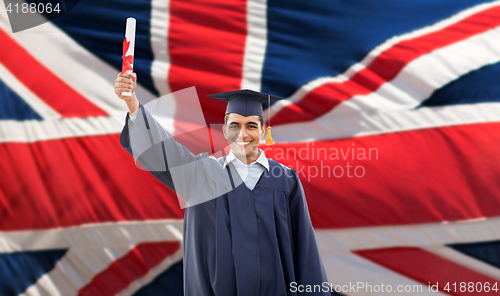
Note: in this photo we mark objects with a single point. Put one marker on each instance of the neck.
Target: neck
(247, 159)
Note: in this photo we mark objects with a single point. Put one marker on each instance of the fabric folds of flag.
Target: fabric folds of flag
(392, 123)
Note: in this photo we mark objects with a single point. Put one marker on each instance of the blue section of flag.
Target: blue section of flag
(311, 39)
(488, 252)
(465, 90)
(13, 107)
(20, 270)
(167, 283)
(102, 32)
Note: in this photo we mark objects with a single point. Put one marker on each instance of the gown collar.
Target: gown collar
(262, 160)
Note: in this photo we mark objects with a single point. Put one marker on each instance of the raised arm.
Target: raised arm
(190, 176)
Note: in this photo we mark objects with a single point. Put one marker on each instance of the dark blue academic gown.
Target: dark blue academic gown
(240, 242)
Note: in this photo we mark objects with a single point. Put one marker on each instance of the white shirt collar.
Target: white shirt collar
(261, 159)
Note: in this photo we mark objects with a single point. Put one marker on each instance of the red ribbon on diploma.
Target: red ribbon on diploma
(127, 60)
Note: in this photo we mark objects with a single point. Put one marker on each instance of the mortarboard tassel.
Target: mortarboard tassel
(269, 138)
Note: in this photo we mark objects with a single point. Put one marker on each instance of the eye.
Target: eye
(233, 126)
(252, 126)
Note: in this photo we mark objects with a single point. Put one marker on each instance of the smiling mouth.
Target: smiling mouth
(243, 144)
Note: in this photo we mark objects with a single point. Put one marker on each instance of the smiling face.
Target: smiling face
(243, 134)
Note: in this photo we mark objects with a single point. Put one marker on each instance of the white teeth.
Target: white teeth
(242, 143)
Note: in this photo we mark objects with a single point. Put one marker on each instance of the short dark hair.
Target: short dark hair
(261, 120)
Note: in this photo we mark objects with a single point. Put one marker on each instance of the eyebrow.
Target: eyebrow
(250, 122)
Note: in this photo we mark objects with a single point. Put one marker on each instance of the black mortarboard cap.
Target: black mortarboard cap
(245, 102)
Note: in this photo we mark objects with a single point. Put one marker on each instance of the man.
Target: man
(247, 230)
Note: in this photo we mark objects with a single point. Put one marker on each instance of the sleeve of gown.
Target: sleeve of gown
(157, 151)
(309, 268)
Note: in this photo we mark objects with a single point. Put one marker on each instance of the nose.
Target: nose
(243, 133)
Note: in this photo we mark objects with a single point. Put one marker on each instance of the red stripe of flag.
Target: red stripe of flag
(385, 67)
(418, 176)
(134, 265)
(42, 82)
(429, 269)
(75, 181)
(206, 42)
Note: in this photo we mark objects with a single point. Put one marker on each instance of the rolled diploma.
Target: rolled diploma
(130, 36)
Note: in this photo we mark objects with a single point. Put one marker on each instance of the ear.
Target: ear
(263, 132)
(224, 131)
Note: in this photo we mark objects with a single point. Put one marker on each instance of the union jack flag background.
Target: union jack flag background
(392, 123)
